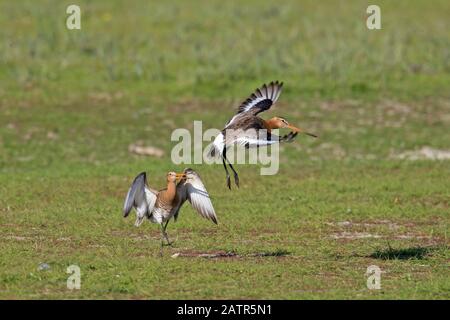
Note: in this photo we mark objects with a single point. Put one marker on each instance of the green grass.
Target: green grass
(71, 102)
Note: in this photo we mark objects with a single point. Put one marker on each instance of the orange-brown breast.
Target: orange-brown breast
(267, 125)
(167, 197)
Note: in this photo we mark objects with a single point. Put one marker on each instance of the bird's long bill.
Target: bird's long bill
(181, 175)
(295, 129)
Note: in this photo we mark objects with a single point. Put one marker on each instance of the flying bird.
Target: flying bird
(160, 206)
(247, 129)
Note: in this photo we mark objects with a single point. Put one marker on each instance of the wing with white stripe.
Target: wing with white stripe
(193, 190)
(141, 198)
(253, 141)
(262, 99)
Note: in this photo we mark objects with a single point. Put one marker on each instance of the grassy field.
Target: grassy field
(71, 103)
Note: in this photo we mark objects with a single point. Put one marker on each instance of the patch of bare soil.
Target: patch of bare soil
(228, 254)
(14, 237)
(348, 230)
(211, 254)
(425, 153)
(353, 235)
(349, 224)
(105, 97)
(139, 149)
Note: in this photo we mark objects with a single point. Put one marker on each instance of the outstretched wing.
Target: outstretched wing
(141, 198)
(262, 99)
(250, 140)
(193, 190)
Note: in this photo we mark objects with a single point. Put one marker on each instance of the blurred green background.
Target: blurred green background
(73, 101)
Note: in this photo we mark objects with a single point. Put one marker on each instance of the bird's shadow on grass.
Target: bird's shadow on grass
(403, 253)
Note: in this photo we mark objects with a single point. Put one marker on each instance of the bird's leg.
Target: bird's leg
(165, 233)
(228, 174)
(162, 238)
(236, 177)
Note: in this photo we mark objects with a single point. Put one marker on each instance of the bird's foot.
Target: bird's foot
(236, 179)
(289, 137)
(228, 182)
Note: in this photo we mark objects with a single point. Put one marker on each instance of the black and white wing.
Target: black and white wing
(193, 190)
(262, 99)
(259, 139)
(140, 197)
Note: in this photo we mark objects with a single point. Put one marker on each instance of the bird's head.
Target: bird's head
(281, 123)
(173, 177)
(190, 174)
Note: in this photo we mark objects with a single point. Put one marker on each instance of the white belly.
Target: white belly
(160, 215)
(219, 143)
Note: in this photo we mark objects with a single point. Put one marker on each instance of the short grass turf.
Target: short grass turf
(71, 102)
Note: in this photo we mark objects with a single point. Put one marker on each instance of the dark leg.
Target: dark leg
(236, 177)
(228, 174)
(162, 241)
(163, 229)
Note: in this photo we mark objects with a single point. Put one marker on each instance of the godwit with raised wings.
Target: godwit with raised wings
(160, 206)
(249, 130)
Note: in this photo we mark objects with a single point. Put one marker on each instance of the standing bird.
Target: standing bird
(249, 130)
(160, 206)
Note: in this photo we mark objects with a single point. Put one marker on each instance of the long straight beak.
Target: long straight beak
(295, 129)
(180, 175)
